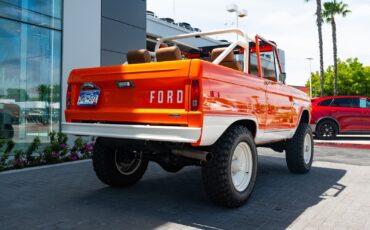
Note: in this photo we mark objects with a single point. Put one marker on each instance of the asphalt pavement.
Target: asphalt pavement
(334, 195)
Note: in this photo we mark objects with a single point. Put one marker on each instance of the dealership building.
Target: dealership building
(41, 41)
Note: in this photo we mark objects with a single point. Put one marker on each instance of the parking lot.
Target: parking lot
(334, 195)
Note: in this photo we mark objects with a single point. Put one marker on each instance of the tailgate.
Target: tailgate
(151, 93)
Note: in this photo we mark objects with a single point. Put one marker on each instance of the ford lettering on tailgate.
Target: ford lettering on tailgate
(166, 96)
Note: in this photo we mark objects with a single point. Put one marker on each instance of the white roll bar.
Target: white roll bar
(243, 43)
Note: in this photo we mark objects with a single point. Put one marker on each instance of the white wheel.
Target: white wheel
(307, 148)
(229, 177)
(299, 150)
(241, 166)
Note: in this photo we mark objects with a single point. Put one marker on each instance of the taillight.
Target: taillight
(69, 97)
(195, 95)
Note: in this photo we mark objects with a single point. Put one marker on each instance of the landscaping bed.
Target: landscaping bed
(55, 151)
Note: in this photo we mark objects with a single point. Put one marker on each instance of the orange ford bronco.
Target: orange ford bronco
(208, 106)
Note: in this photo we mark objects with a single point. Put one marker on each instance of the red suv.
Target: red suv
(340, 114)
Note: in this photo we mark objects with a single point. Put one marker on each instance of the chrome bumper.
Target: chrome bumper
(140, 132)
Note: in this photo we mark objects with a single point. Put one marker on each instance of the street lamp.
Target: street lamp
(233, 8)
(309, 59)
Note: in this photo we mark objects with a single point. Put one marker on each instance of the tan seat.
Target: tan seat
(168, 54)
(229, 60)
(138, 56)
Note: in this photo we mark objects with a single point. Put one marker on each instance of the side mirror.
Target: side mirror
(283, 77)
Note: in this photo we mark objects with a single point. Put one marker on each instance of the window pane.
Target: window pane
(48, 7)
(36, 12)
(343, 102)
(268, 65)
(253, 67)
(29, 79)
(361, 102)
(278, 73)
(325, 102)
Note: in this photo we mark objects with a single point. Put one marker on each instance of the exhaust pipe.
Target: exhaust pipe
(193, 154)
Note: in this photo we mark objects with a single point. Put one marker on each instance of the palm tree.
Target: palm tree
(331, 9)
(319, 28)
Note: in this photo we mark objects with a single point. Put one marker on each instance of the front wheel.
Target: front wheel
(117, 166)
(229, 177)
(300, 150)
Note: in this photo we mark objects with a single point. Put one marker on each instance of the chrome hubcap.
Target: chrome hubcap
(307, 149)
(241, 166)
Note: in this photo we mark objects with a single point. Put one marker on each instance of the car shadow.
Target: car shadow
(165, 200)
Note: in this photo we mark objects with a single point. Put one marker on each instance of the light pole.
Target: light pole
(233, 8)
(309, 59)
(174, 9)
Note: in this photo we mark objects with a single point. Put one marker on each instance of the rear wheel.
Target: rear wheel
(300, 150)
(229, 177)
(118, 166)
(327, 129)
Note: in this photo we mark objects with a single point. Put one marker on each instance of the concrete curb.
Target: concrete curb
(43, 167)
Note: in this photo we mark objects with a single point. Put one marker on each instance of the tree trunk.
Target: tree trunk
(335, 54)
(319, 27)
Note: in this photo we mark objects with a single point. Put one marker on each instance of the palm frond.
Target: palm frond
(334, 8)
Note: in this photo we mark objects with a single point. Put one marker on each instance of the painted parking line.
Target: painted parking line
(344, 144)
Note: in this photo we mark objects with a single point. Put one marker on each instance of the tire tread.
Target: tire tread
(105, 168)
(294, 150)
(216, 182)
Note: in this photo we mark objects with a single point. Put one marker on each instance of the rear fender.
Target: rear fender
(215, 126)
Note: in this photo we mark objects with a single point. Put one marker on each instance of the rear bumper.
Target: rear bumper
(139, 132)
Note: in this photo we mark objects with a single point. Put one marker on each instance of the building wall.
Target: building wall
(123, 28)
(81, 37)
(99, 33)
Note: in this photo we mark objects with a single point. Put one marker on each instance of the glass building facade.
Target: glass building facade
(30, 68)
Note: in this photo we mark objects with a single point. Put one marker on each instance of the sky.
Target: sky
(290, 23)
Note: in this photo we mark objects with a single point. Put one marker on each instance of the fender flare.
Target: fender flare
(214, 126)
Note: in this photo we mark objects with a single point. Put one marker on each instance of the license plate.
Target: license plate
(88, 98)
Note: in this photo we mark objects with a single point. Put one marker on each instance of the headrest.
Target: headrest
(216, 52)
(138, 56)
(168, 54)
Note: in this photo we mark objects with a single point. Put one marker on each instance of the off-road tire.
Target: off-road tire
(106, 169)
(295, 148)
(331, 125)
(216, 173)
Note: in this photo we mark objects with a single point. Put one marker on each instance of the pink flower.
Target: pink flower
(89, 147)
(19, 162)
(63, 146)
(55, 155)
(73, 156)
